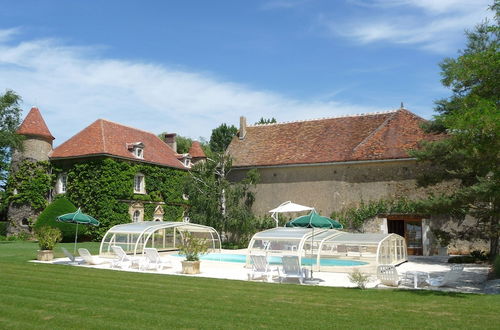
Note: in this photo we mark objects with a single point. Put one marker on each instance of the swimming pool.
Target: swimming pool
(241, 258)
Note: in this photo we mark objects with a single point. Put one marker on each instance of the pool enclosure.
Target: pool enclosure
(315, 246)
(162, 235)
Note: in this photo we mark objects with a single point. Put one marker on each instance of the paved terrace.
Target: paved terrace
(472, 280)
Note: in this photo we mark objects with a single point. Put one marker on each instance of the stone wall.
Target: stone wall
(20, 218)
(336, 186)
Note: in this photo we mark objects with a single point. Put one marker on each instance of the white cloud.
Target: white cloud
(74, 86)
(437, 26)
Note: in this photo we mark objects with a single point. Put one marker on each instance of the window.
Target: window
(137, 216)
(139, 186)
(25, 222)
(62, 181)
(139, 152)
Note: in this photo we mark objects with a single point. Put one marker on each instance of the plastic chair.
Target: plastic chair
(292, 269)
(123, 260)
(90, 259)
(452, 276)
(71, 257)
(261, 268)
(154, 260)
(388, 275)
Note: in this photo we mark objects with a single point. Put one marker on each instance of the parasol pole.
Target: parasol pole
(76, 238)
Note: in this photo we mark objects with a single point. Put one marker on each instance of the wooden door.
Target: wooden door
(410, 228)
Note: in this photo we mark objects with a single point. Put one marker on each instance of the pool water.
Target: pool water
(241, 258)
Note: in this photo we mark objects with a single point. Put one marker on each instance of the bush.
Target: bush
(48, 237)
(359, 279)
(479, 255)
(496, 266)
(3, 228)
(48, 218)
(462, 260)
(192, 247)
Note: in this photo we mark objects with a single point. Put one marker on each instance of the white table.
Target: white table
(416, 277)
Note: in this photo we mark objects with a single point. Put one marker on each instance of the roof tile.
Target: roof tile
(34, 124)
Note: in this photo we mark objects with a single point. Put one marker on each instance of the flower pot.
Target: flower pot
(45, 255)
(190, 267)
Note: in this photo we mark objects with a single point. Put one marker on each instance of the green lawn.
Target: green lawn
(60, 296)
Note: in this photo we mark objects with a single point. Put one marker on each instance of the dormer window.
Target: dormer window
(139, 185)
(137, 149)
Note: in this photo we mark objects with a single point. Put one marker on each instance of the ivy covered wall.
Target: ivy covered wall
(102, 187)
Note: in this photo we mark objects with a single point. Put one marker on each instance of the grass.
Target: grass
(60, 296)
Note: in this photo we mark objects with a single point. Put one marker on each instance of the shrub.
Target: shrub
(461, 260)
(3, 228)
(479, 255)
(48, 237)
(192, 247)
(496, 266)
(48, 218)
(359, 279)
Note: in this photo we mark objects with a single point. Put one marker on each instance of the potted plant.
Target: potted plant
(444, 239)
(192, 247)
(47, 239)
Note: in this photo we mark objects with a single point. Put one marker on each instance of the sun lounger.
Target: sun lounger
(71, 257)
(388, 275)
(452, 276)
(90, 259)
(261, 268)
(123, 260)
(292, 269)
(153, 260)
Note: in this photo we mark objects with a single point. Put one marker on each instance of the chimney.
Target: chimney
(170, 140)
(243, 127)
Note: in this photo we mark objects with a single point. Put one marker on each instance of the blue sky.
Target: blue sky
(188, 66)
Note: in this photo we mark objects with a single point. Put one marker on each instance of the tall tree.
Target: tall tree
(216, 202)
(9, 121)
(470, 153)
(221, 137)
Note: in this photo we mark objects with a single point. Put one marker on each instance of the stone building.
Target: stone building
(335, 163)
(101, 139)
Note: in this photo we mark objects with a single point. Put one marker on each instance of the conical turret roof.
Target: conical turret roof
(196, 151)
(34, 125)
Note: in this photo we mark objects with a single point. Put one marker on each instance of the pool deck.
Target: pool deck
(472, 280)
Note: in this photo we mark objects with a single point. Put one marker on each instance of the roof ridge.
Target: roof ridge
(103, 136)
(134, 128)
(366, 139)
(333, 117)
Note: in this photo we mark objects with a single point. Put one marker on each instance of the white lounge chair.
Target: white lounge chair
(388, 275)
(71, 257)
(90, 259)
(153, 260)
(123, 260)
(261, 268)
(452, 276)
(292, 269)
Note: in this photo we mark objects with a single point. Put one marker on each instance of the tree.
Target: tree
(216, 202)
(183, 143)
(470, 152)
(9, 122)
(221, 137)
(263, 121)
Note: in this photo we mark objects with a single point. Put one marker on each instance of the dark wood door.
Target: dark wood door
(411, 229)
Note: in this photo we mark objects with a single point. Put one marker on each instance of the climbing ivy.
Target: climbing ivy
(104, 187)
(30, 184)
(354, 217)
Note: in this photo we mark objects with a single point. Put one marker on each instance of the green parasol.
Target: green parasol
(314, 220)
(79, 218)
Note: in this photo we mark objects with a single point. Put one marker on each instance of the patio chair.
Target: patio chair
(71, 257)
(388, 275)
(261, 268)
(123, 260)
(452, 276)
(90, 259)
(292, 269)
(153, 260)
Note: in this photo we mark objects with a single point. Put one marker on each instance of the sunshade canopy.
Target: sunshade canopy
(290, 207)
(78, 217)
(314, 220)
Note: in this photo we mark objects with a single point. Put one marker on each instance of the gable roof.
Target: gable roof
(378, 136)
(106, 138)
(196, 151)
(34, 125)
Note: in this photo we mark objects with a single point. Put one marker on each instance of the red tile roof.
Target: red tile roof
(196, 151)
(34, 124)
(376, 136)
(111, 139)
